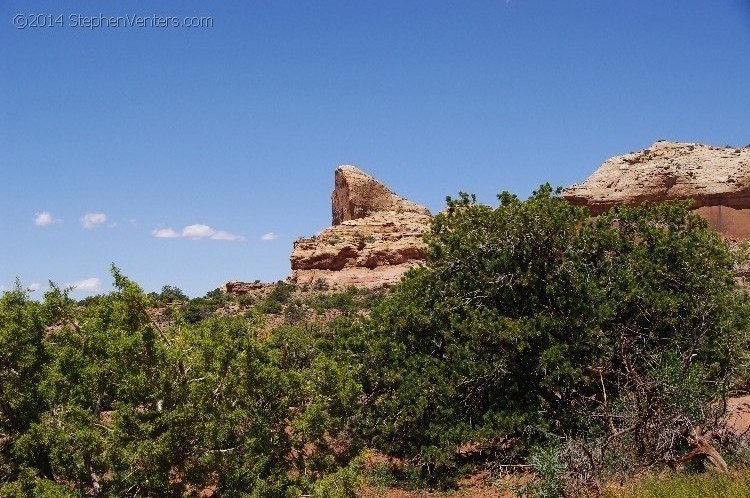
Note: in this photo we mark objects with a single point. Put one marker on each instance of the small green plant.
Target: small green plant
(320, 285)
(344, 483)
(294, 313)
(549, 479)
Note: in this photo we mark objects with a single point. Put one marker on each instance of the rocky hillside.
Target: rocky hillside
(717, 179)
(376, 235)
(374, 238)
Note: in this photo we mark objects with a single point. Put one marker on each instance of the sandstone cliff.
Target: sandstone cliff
(357, 195)
(376, 236)
(717, 179)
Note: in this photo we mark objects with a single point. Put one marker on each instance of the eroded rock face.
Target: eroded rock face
(243, 288)
(376, 236)
(358, 195)
(717, 179)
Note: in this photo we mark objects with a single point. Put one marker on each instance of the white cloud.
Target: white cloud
(134, 222)
(3, 288)
(222, 235)
(93, 220)
(269, 236)
(87, 285)
(34, 286)
(44, 218)
(196, 232)
(164, 233)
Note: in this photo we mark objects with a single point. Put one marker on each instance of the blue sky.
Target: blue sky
(234, 131)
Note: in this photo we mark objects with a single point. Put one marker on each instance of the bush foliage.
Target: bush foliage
(532, 322)
(533, 334)
(104, 401)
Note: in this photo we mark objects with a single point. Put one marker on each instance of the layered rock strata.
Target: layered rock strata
(357, 195)
(375, 237)
(716, 179)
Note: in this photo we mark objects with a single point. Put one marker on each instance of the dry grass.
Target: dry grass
(708, 485)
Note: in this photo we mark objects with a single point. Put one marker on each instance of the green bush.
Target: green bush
(100, 400)
(533, 319)
(531, 325)
(275, 302)
(348, 301)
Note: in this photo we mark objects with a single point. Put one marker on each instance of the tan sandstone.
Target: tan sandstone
(375, 237)
(717, 179)
(357, 195)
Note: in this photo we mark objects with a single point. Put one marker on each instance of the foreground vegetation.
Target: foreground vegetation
(681, 486)
(535, 337)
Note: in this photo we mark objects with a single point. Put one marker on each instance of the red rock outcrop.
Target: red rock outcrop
(243, 288)
(376, 236)
(717, 179)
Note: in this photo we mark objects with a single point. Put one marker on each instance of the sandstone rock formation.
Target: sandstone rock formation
(244, 288)
(717, 179)
(358, 195)
(376, 236)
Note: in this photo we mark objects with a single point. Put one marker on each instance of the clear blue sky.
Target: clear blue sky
(239, 127)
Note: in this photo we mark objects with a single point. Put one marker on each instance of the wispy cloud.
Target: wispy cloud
(93, 220)
(164, 233)
(44, 219)
(33, 287)
(88, 285)
(3, 288)
(267, 237)
(196, 232)
(222, 235)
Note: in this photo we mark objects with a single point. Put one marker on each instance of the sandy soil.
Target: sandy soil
(738, 416)
(475, 486)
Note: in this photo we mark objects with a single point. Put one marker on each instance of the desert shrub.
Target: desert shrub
(276, 300)
(98, 401)
(548, 478)
(532, 319)
(344, 483)
(294, 312)
(320, 285)
(171, 294)
(28, 484)
(349, 300)
(194, 310)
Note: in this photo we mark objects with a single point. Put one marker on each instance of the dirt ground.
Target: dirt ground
(475, 486)
(738, 416)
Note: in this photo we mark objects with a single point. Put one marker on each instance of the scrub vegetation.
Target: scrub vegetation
(535, 341)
